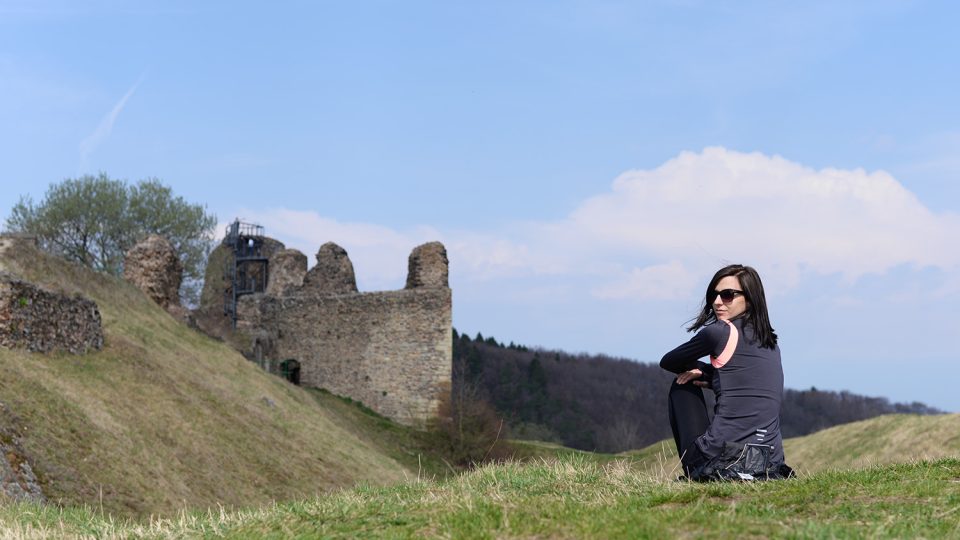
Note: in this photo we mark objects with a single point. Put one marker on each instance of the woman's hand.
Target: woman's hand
(692, 375)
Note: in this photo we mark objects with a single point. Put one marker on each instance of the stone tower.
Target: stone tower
(390, 350)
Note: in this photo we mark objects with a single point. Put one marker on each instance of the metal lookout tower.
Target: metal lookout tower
(247, 272)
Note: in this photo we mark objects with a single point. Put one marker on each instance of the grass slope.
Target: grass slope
(884, 440)
(164, 418)
(894, 438)
(570, 498)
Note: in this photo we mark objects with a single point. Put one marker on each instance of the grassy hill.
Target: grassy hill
(894, 438)
(165, 418)
(884, 440)
(568, 498)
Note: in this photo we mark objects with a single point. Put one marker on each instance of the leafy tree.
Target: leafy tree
(474, 363)
(94, 220)
(536, 389)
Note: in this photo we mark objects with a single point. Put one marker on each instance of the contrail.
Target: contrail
(92, 141)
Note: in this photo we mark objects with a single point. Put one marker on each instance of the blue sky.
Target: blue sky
(588, 165)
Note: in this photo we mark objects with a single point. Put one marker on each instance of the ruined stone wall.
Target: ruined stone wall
(215, 283)
(42, 321)
(153, 267)
(390, 350)
(286, 270)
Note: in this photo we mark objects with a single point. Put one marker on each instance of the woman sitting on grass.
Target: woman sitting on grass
(743, 440)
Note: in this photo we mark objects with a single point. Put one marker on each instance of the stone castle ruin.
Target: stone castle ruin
(153, 267)
(390, 350)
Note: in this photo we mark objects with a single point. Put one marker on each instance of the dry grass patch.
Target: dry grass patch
(164, 418)
(897, 438)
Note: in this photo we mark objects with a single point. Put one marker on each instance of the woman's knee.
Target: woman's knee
(687, 389)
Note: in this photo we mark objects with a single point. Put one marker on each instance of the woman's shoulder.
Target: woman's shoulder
(716, 331)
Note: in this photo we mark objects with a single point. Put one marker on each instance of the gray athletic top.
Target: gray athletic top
(747, 380)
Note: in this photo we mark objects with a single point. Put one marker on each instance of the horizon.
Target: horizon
(588, 165)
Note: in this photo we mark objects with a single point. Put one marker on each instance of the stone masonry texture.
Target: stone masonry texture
(428, 266)
(42, 321)
(333, 272)
(285, 272)
(215, 283)
(390, 350)
(153, 267)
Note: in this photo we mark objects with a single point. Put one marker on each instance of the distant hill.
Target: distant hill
(165, 418)
(604, 404)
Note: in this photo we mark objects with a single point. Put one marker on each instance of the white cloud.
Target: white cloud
(657, 234)
(487, 257)
(92, 141)
(722, 205)
(666, 281)
(379, 254)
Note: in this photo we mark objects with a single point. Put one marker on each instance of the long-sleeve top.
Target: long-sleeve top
(747, 380)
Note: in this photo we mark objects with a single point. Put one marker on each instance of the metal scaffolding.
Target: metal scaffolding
(247, 271)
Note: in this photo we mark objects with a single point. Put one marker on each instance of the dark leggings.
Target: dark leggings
(688, 420)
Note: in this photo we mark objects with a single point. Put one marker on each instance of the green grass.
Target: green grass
(165, 418)
(411, 448)
(571, 497)
(523, 450)
(167, 433)
(884, 440)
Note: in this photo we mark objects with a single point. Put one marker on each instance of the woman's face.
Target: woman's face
(730, 308)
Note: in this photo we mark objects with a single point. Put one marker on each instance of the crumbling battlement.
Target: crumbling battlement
(287, 270)
(153, 267)
(42, 321)
(390, 350)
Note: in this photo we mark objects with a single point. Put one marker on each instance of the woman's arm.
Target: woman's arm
(704, 343)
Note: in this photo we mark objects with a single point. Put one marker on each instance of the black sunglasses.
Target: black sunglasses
(727, 295)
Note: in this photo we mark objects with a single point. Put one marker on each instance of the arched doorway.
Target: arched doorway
(290, 370)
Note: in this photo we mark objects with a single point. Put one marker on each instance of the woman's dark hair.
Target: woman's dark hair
(756, 313)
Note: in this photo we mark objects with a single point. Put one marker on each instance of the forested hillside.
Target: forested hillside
(595, 402)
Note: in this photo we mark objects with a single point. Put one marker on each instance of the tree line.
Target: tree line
(606, 404)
